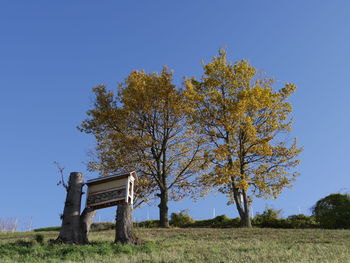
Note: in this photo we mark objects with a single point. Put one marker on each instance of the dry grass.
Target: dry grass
(188, 245)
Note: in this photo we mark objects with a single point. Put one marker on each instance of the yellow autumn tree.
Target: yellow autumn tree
(143, 127)
(245, 122)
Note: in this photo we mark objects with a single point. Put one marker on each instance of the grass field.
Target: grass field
(186, 245)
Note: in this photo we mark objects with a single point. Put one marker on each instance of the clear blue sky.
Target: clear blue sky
(53, 52)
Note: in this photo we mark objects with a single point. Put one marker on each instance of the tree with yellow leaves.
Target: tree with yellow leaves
(244, 121)
(143, 127)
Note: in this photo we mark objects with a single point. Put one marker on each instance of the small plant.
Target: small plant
(269, 218)
(181, 219)
(39, 238)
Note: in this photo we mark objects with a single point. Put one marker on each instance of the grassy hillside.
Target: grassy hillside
(186, 245)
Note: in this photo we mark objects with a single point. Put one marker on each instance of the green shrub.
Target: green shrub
(52, 228)
(301, 221)
(220, 221)
(181, 219)
(333, 211)
(102, 226)
(147, 224)
(221, 218)
(39, 238)
(235, 222)
(269, 218)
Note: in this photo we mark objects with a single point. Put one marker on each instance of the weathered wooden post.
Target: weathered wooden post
(115, 190)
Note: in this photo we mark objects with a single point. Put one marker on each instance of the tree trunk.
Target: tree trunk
(163, 209)
(123, 231)
(246, 222)
(85, 223)
(242, 207)
(70, 230)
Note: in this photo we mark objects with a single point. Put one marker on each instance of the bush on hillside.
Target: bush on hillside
(181, 219)
(220, 221)
(147, 224)
(301, 221)
(333, 211)
(102, 226)
(269, 218)
(51, 228)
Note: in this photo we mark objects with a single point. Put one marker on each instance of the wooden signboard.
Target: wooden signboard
(110, 190)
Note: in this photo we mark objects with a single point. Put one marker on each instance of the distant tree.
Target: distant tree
(143, 127)
(243, 119)
(333, 211)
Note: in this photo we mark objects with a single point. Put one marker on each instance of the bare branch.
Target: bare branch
(60, 171)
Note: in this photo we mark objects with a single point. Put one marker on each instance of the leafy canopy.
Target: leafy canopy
(143, 127)
(333, 211)
(243, 119)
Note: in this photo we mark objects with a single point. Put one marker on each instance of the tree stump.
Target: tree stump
(85, 223)
(71, 231)
(123, 231)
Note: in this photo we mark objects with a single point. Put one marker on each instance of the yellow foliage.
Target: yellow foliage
(243, 119)
(143, 127)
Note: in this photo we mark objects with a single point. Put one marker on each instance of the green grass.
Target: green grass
(45, 229)
(187, 245)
